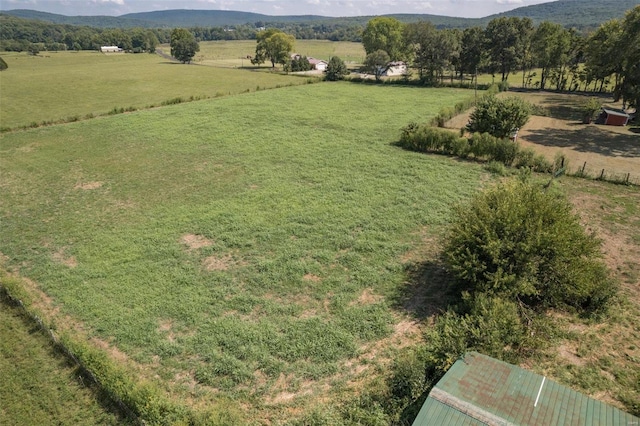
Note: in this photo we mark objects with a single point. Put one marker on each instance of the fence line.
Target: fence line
(607, 175)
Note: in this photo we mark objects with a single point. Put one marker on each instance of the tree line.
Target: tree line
(17, 34)
(606, 59)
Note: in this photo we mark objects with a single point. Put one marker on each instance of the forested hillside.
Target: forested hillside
(580, 14)
(90, 21)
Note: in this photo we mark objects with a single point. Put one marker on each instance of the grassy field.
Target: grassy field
(234, 54)
(247, 247)
(37, 385)
(254, 252)
(58, 86)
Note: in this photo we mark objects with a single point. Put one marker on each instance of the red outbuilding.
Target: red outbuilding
(613, 117)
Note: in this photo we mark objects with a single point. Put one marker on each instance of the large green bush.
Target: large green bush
(490, 325)
(519, 242)
(424, 138)
(499, 117)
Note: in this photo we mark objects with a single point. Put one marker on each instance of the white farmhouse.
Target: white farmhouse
(318, 64)
(395, 69)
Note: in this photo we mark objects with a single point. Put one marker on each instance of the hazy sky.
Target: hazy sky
(464, 8)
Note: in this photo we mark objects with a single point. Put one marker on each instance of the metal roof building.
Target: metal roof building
(479, 390)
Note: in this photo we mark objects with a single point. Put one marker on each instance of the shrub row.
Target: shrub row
(480, 146)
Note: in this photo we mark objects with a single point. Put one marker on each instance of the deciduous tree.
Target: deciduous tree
(183, 45)
(433, 51)
(376, 63)
(551, 44)
(385, 34)
(273, 45)
(499, 117)
(143, 41)
(472, 50)
(336, 69)
(502, 38)
(630, 47)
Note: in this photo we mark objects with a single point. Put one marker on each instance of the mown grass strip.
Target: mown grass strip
(38, 385)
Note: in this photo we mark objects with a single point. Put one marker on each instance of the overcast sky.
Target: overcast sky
(463, 8)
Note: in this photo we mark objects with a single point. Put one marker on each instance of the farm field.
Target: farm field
(251, 256)
(60, 85)
(38, 387)
(244, 252)
(56, 86)
(233, 54)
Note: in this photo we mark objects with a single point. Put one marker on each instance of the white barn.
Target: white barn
(110, 49)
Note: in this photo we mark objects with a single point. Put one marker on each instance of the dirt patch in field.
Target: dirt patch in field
(195, 242)
(215, 263)
(312, 278)
(114, 353)
(87, 186)
(166, 327)
(283, 392)
(367, 297)
(620, 251)
(567, 352)
(60, 257)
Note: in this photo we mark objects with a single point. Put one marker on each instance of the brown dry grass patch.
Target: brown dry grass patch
(60, 257)
(215, 263)
(87, 186)
(367, 297)
(312, 278)
(195, 242)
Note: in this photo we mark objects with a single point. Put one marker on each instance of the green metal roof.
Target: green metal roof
(480, 390)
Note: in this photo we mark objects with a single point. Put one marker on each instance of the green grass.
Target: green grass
(72, 85)
(303, 201)
(234, 53)
(38, 386)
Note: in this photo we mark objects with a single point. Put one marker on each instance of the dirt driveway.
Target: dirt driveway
(614, 149)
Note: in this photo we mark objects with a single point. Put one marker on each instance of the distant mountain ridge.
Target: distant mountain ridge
(570, 13)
